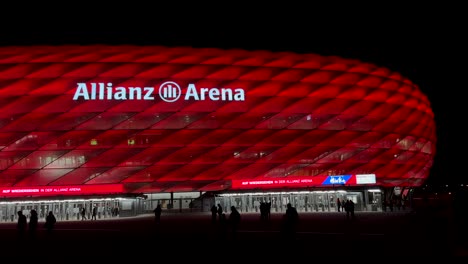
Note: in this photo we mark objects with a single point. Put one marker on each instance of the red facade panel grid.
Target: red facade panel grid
(162, 119)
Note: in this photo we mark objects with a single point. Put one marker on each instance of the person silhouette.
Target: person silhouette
(234, 220)
(50, 222)
(33, 223)
(220, 210)
(21, 226)
(268, 210)
(263, 215)
(346, 208)
(94, 214)
(290, 221)
(157, 213)
(83, 213)
(214, 212)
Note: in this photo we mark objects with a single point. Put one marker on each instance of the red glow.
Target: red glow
(303, 115)
(277, 182)
(288, 182)
(62, 190)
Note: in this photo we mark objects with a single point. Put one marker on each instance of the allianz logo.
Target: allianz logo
(168, 91)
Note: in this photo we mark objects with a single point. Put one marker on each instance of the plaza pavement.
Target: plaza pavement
(194, 236)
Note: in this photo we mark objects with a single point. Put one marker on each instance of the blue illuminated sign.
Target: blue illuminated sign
(341, 179)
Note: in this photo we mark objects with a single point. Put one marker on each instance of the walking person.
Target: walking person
(262, 211)
(33, 223)
(214, 212)
(290, 221)
(268, 210)
(93, 217)
(50, 222)
(234, 220)
(220, 211)
(83, 213)
(22, 222)
(347, 208)
(157, 213)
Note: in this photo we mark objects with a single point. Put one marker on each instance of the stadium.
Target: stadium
(124, 128)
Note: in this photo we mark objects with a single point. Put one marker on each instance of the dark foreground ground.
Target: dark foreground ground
(193, 236)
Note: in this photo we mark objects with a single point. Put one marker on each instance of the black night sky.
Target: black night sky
(427, 46)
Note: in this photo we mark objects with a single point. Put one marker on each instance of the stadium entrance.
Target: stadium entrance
(71, 209)
(304, 201)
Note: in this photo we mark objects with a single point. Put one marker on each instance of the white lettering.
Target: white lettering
(107, 91)
(214, 94)
(260, 182)
(133, 91)
(240, 95)
(227, 92)
(81, 90)
(101, 91)
(337, 180)
(24, 190)
(192, 92)
(203, 91)
(121, 93)
(93, 91)
(149, 93)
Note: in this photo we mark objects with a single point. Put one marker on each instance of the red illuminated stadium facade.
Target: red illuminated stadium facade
(115, 122)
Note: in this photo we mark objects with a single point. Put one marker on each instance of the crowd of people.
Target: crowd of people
(32, 226)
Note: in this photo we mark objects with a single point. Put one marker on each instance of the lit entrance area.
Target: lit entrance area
(176, 202)
(304, 201)
(71, 209)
